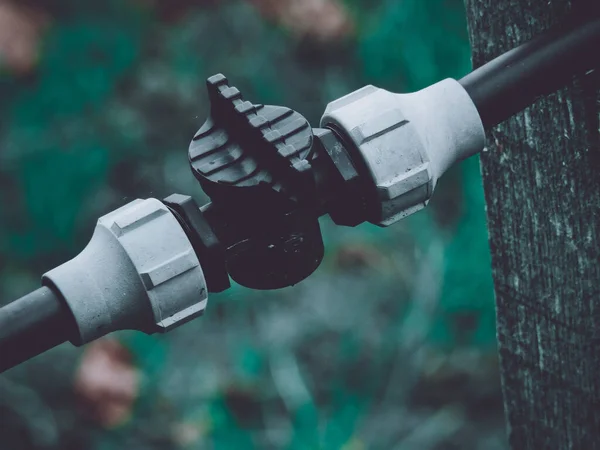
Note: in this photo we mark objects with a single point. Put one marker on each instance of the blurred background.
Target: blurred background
(389, 345)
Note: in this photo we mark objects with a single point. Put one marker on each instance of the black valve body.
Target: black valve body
(253, 161)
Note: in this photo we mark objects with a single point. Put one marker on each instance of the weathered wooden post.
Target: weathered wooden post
(541, 175)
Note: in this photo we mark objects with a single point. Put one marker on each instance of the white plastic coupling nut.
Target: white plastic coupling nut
(139, 271)
(407, 141)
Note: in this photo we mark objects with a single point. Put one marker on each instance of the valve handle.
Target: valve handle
(252, 147)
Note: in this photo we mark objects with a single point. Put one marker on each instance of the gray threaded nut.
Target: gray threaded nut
(139, 271)
(407, 141)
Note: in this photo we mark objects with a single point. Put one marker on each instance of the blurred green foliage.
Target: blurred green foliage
(329, 364)
(413, 43)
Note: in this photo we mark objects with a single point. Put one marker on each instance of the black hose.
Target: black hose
(514, 80)
(31, 325)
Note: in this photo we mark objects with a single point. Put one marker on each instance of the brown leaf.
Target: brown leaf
(20, 31)
(107, 383)
(323, 20)
(358, 256)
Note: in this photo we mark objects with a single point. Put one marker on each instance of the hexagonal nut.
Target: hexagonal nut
(207, 246)
(390, 147)
(350, 205)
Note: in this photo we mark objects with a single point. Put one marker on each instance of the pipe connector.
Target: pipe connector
(139, 271)
(406, 141)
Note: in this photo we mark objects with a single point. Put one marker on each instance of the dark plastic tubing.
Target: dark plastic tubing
(514, 80)
(31, 325)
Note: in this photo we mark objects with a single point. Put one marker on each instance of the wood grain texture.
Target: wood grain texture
(541, 175)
